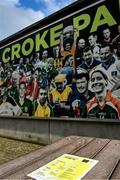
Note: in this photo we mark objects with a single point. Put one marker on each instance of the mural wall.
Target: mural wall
(69, 68)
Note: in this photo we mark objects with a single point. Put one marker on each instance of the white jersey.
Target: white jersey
(7, 109)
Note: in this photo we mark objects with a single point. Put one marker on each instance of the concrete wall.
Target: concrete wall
(47, 131)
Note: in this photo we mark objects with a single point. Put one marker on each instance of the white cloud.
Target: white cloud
(14, 18)
(54, 5)
(9, 2)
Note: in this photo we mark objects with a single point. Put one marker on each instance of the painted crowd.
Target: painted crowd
(80, 78)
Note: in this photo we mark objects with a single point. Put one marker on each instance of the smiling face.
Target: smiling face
(82, 85)
(88, 56)
(98, 83)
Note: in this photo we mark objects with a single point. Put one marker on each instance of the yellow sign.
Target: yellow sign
(66, 167)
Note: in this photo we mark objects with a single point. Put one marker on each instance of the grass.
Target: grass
(11, 149)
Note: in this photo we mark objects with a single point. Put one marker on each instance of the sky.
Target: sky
(18, 14)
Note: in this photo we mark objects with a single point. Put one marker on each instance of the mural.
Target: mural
(69, 69)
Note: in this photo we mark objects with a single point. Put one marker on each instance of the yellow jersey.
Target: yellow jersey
(63, 96)
(43, 111)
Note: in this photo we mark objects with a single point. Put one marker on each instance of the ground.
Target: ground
(10, 149)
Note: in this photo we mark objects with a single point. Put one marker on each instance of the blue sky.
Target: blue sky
(18, 14)
(36, 5)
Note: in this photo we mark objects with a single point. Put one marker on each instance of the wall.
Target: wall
(47, 131)
(69, 42)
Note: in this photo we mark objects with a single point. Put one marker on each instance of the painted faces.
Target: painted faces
(42, 96)
(82, 85)
(105, 54)
(98, 82)
(88, 56)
